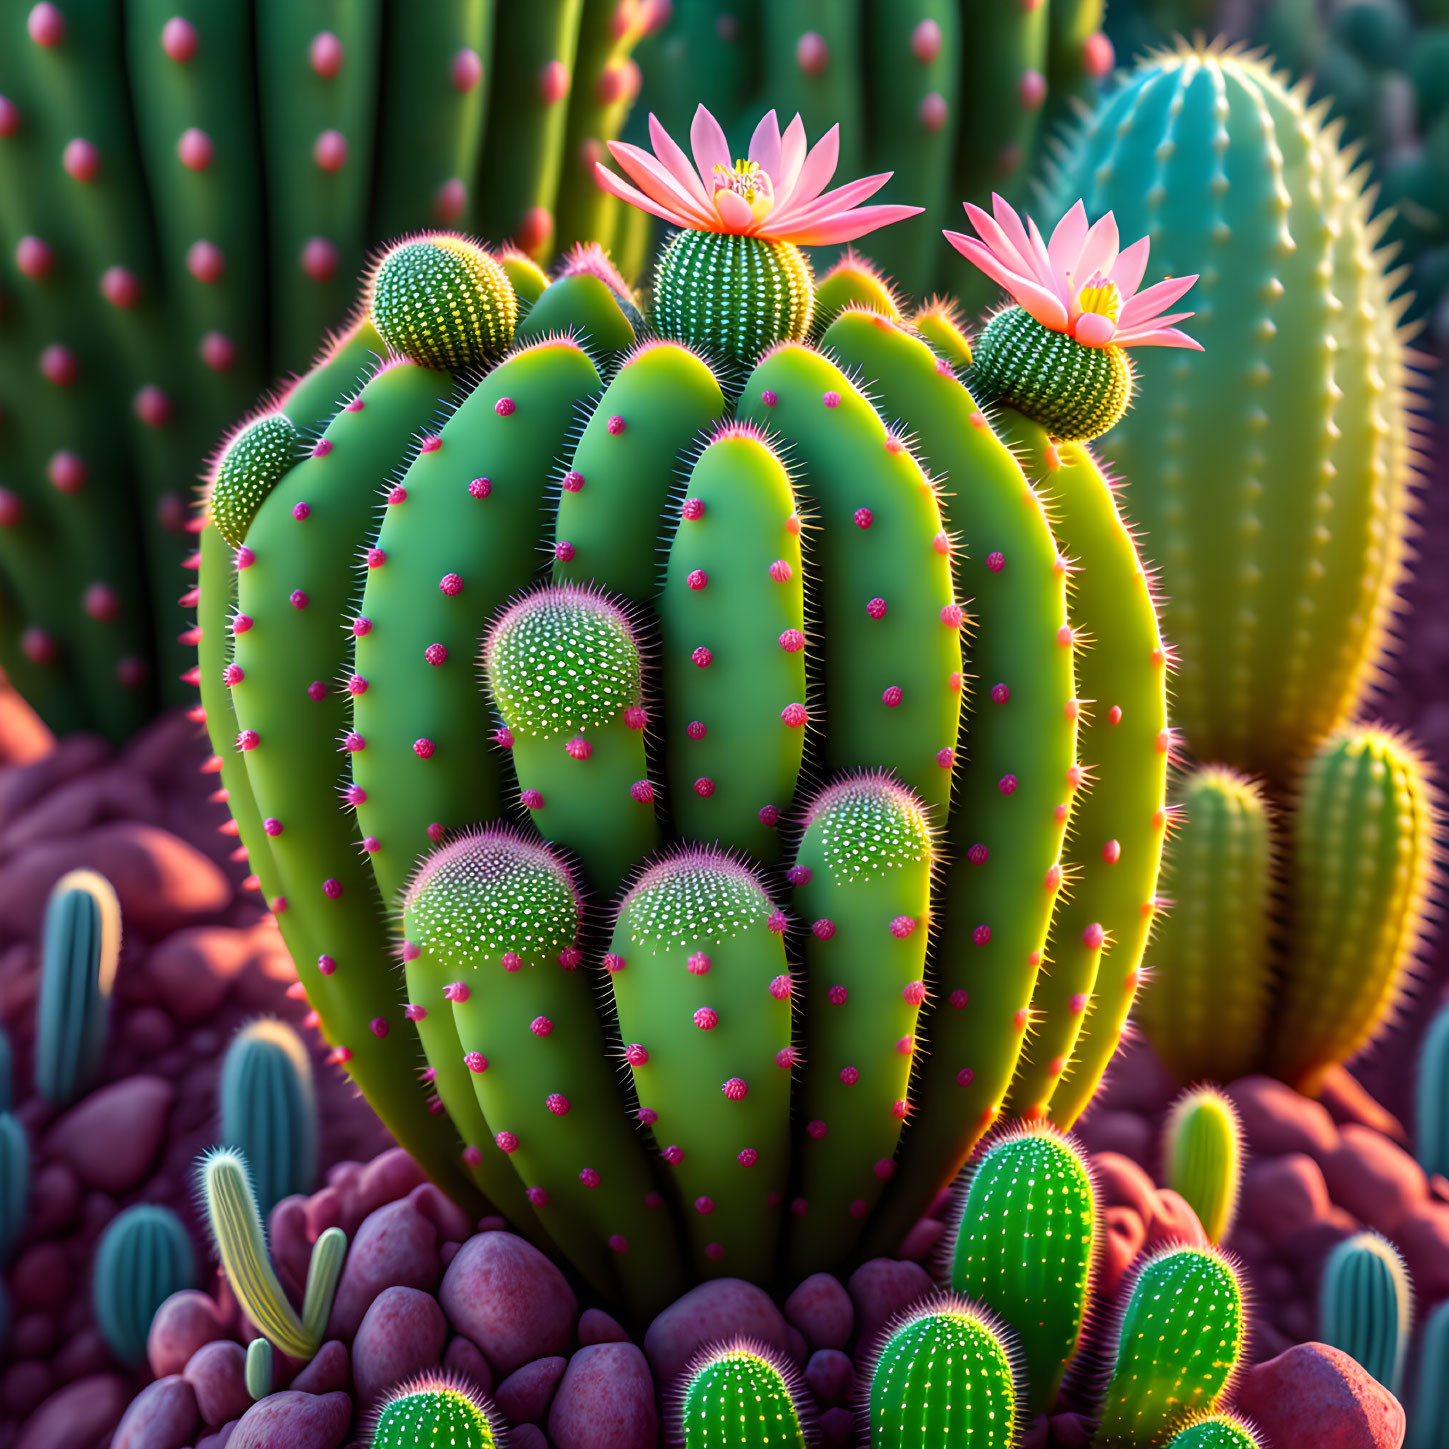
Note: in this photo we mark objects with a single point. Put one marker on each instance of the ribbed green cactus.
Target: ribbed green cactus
(1178, 1346)
(944, 1376)
(14, 1181)
(743, 1396)
(191, 189)
(81, 948)
(1429, 1406)
(1431, 1099)
(269, 1110)
(144, 1257)
(1203, 1152)
(430, 1411)
(1217, 1431)
(1366, 1304)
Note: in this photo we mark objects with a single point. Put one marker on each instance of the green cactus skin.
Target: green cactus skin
(1026, 1249)
(1217, 1431)
(269, 1109)
(1177, 1348)
(225, 1190)
(625, 466)
(1278, 616)
(740, 1395)
(586, 308)
(530, 1039)
(14, 1181)
(944, 1377)
(530, 281)
(432, 1411)
(427, 768)
(317, 72)
(1362, 852)
(81, 950)
(1011, 797)
(734, 586)
(812, 54)
(892, 648)
(300, 548)
(852, 282)
(564, 670)
(732, 296)
(862, 878)
(712, 1071)
(1431, 1098)
(1119, 819)
(939, 322)
(1366, 1304)
(259, 1371)
(436, 84)
(1204, 1153)
(1429, 1416)
(144, 1257)
(1206, 1011)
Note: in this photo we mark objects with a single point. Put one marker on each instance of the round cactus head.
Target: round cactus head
(444, 301)
(944, 1375)
(490, 892)
(1217, 1431)
(249, 465)
(590, 259)
(696, 896)
(869, 824)
(562, 659)
(436, 1410)
(741, 1394)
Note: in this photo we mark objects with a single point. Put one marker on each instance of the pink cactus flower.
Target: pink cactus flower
(777, 194)
(1079, 282)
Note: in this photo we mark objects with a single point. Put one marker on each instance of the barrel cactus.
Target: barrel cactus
(741, 1395)
(733, 706)
(432, 1410)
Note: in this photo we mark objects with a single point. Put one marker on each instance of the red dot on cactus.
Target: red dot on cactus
(1098, 57)
(511, 961)
(451, 585)
(354, 742)
(636, 716)
(578, 748)
(531, 800)
(240, 624)
(355, 795)
(573, 481)
(704, 1206)
(563, 550)
(379, 1026)
(692, 509)
(769, 816)
(696, 729)
(1007, 784)
(590, 1178)
(635, 1054)
(736, 1089)
(205, 262)
(812, 54)
(965, 1077)
(9, 117)
(642, 792)
(457, 991)
(450, 201)
(424, 748)
(1078, 1004)
(558, 1104)
(941, 543)
(876, 609)
(332, 888)
(132, 673)
(892, 696)
(81, 159)
(319, 259)
(901, 927)
(317, 691)
(436, 654)
(796, 716)
(324, 54)
(467, 70)
(506, 1142)
(837, 996)
(540, 1026)
(195, 149)
(247, 740)
(101, 603)
(699, 964)
(297, 599)
(706, 1018)
(703, 657)
(933, 114)
(900, 1110)
(981, 935)
(33, 257)
(60, 366)
(431, 444)
(1053, 878)
(304, 510)
(46, 25)
(1065, 636)
(648, 1116)
(913, 993)
(340, 1056)
(1031, 89)
(232, 674)
(823, 929)
(67, 472)
(120, 287)
(946, 757)
(614, 962)
(179, 39)
(697, 579)
(480, 487)
(673, 1155)
(505, 407)
(616, 425)
(329, 151)
(792, 641)
(800, 1207)
(326, 965)
(864, 518)
(322, 448)
(553, 82)
(704, 787)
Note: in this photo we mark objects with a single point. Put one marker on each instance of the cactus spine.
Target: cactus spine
(1365, 1305)
(739, 1394)
(81, 950)
(269, 1110)
(144, 1257)
(433, 1410)
(1204, 1152)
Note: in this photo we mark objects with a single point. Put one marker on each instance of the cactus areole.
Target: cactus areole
(719, 901)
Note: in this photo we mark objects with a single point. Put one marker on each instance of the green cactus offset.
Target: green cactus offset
(1366, 1305)
(743, 1395)
(432, 1410)
(145, 1255)
(1204, 1157)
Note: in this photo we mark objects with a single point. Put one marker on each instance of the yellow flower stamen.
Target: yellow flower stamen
(745, 179)
(1101, 297)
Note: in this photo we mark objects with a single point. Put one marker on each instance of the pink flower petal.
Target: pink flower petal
(679, 166)
(707, 141)
(734, 211)
(1011, 226)
(817, 169)
(998, 241)
(850, 225)
(617, 186)
(1036, 299)
(792, 158)
(1099, 252)
(1131, 263)
(1162, 337)
(1153, 324)
(654, 179)
(833, 202)
(1067, 237)
(1157, 298)
(1094, 330)
(1042, 262)
(765, 145)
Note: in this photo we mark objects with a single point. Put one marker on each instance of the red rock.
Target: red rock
(1276, 1119)
(605, 1401)
(799, 1350)
(287, 1236)
(329, 1372)
(526, 1393)
(882, 1288)
(81, 1355)
(721, 1308)
(395, 1247)
(293, 1420)
(1316, 1397)
(162, 1416)
(1423, 1239)
(77, 1416)
(148, 1031)
(1374, 1179)
(1122, 1238)
(220, 1439)
(821, 1309)
(40, 1278)
(1173, 1223)
(386, 1178)
(217, 1375)
(327, 1208)
(922, 1240)
(596, 1326)
(1137, 1081)
(1124, 1133)
(1122, 1183)
(184, 1322)
(112, 1138)
(79, 806)
(33, 1335)
(402, 1333)
(463, 1357)
(452, 1223)
(20, 787)
(1348, 1101)
(831, 1375)
(1306, 1249)
(1282, 1195)
(193, 968)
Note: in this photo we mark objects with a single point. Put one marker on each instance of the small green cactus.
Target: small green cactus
(1431, 1101)
(14, 1182)
(258, 1371)
(1366, 1305)
(1429, 1407)
(1217, 1431)
(269, 1110)
(741, 1395)
(1204, 1153)
(81, 948)
(433, 1410)
(144, 1257)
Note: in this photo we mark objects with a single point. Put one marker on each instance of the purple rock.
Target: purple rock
(596, 1326)
(527, 1392)
(401, 1334)
(922, 1239)
(452, 1223)
(883, 1288)
(831, 1375)
(387, 1178)
(220, 1439)
(329, 1372)
(111, 1139)
(294, 1420)
(722, 1308)
(605, 1401)
(527, 1436)
(463, 1358)
(837, 1428)
(395, 1247)
(162, 1416)
(77, 1416)
(217, 1374)
(821, 1309)
(184, 1322)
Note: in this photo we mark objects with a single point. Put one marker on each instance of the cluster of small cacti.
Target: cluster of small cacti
(779, 676)
(189, 188)
(1278, 514)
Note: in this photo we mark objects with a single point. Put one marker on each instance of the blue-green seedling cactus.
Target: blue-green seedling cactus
(269, 1110)
(230, 1205)
(1429, 1406)
(14, 1181)
(7, 1073)
(433, 1411)
(741, 1395)
(1366, 1304)
(1431, 1102)
(144, 1257)
(80, 952)
(1204, 1157)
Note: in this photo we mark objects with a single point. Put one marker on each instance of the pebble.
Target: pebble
(401, 1334)
(217, 1374)
(78, 1416)
(596, 1326)
(882, 1288)
(184, 1322)
(162, 1416)
(329, 1372)
(1317, 1397)
(1373, 1178)
(605, 1400)
(821, 1309)
(720, 1309)
(1282, 1195)
(112, 1138)
(1275, 1119)
(831, 1375)
(464, 1358)
(525, 1395)
(292, 1420)
(395, 1247)
(193, 969)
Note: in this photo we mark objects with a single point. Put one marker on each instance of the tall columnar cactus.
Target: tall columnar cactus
(1204, 1153)
(1431, 1099)
(743, 1396)
(7, 1073)
(1366, 1304)
(81, 948)
(144, 1257)
(14, 1181)
(1429, 1407)
(1178, 1346)
(269, 1109)
(191, 188)
(432, 1410)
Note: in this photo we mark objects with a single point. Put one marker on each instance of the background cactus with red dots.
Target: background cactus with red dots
(190, 188)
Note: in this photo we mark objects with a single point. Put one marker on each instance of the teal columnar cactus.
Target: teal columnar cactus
(1203, 1151)
(144, 1257)
(195, 186)
(7, 1073)
(1429, 1406)
(235, 1223)
(269, 1109)
(744, 1396)
(80, 950)
(1366, 1305)
(1217, 1431)
(944, 1376)
(432, 1410)
(1431, 1098)
(1025, 1249)
(1177, 1349)
(14, 1181)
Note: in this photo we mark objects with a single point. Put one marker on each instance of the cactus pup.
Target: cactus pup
(741, 1395)
(1204, 1154)
(144, 1257)
(433, 1410)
